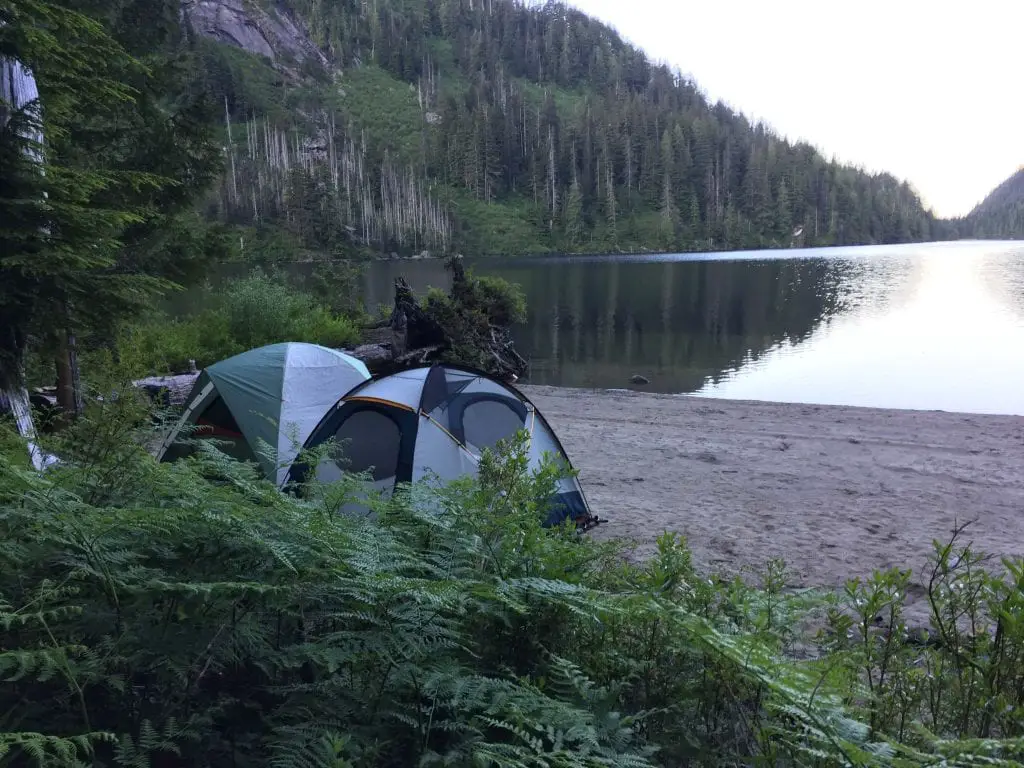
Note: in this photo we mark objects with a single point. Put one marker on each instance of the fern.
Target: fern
(207, 619)
(45, 750)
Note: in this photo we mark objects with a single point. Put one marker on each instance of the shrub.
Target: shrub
(338, 286)
(476, 317)
(158, 344)
(960, 678)
(191, 614)
(251, 312)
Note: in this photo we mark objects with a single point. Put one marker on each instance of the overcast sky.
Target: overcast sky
(929, 90)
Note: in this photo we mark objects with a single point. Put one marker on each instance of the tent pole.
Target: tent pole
(196, 402)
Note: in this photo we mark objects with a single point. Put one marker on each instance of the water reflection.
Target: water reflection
(674, 323)
(934, 326)
(678, 323)
(951, 337)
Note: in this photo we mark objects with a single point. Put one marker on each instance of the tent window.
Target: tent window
(485, 422)
(369, 440)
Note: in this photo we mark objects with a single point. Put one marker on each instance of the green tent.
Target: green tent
(261, 405)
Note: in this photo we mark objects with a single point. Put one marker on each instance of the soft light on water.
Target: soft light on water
(951, 337)
(937, 326)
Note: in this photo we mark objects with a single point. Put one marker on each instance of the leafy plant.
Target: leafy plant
(958, 678)
(191, 614)
(256, 310)
(476, 317)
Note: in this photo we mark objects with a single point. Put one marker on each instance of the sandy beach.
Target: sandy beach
(835, 491)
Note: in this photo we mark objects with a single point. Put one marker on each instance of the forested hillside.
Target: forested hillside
(501, 126)
(190, 613)
(1001, 214)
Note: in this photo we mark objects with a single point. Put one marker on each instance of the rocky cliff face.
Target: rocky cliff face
(273, 33)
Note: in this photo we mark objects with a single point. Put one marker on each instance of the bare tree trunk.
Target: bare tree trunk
(17, 90)
(16, 398)
(69, 381)
(14, 394)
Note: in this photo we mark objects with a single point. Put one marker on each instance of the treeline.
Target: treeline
(1001, 214)
(544, 114)
(634, 141)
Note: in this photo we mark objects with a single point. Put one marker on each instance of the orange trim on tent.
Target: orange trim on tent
(379, 401)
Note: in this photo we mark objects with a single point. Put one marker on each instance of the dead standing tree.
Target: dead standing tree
(18, 93)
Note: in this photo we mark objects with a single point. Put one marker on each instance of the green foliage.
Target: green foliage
(99, 174)
(191, 614)
(251, 312)
(955, 681)
(246, 84)
(338, 285)
(11, 444)
(475, 315)
(59, 237)
(384, 106)
(500, 228)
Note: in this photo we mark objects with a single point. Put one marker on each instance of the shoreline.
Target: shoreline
(836, 491)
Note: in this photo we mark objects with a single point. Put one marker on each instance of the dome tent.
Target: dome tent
(276, 394)
(435, 421)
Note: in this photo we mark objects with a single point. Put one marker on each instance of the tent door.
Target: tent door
(375, 438)
(186, 417)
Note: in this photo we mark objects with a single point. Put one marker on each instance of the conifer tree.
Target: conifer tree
(111, 158)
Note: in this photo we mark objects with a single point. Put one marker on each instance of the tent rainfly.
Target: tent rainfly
(434, 421)
(275, 394)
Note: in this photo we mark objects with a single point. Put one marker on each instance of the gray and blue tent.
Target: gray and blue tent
(434, 422)
(263, 404)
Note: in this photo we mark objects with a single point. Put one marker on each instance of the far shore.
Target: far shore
(835, 491)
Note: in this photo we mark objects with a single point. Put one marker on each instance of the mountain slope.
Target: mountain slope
(1001, 214)
(493, 126)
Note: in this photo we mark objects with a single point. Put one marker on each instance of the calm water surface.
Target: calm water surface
(937, 326)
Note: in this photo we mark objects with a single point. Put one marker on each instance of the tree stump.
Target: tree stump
(461, 330)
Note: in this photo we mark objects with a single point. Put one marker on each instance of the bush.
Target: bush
(191, 614)
(262, 310)
(962, 677)
(476, 317)
(338, 285)
(251, 312)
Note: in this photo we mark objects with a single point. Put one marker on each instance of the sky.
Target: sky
(928, 90)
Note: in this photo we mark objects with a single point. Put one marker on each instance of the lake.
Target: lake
(938, 326)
